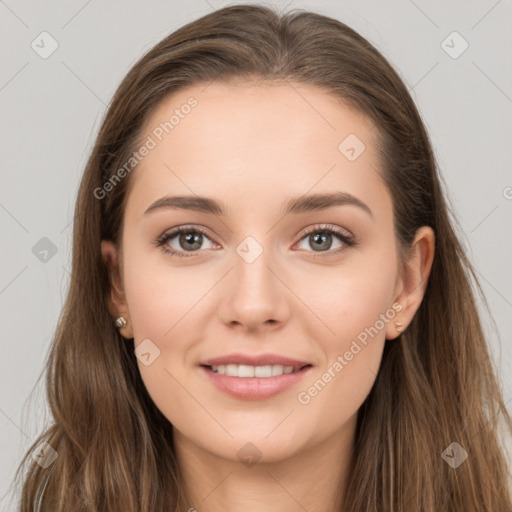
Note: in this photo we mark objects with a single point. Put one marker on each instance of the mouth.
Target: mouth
(255, 381)
(245, 371)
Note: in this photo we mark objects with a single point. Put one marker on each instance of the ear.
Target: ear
(412, 281)
(116, 299)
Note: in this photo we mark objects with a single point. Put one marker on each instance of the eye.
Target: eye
(190, 240)
(187, 240)
(320, 237)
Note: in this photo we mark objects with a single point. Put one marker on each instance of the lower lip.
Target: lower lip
(254, 388)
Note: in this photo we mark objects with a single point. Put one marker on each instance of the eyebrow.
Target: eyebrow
(302, 204)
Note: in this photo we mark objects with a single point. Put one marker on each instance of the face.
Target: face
(260, 275)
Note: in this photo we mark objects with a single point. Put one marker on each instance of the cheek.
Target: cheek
(350, 301)
(354, 305)
(160, 297)
(352, 355)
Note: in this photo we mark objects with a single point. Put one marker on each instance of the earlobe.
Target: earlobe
(413, 280)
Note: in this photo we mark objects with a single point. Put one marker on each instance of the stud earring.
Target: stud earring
(398, 326)
(121, 322)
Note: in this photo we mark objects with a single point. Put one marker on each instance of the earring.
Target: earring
(398, 326)
(121, 322)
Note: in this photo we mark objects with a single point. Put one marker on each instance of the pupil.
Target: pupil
(189, 238)
(323, 237)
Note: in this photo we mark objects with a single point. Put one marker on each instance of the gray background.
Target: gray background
(51, 110)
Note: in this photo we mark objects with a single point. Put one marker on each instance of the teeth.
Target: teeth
(243, 370)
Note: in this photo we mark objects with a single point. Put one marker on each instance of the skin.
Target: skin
(253, 147)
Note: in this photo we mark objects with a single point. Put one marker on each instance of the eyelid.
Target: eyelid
(328, 228)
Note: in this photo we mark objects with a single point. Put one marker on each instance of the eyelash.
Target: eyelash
(348, 241)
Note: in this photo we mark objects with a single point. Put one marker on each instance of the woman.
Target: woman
(209, 355)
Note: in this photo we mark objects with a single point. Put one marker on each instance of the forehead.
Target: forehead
(277, 114)
(256, 141)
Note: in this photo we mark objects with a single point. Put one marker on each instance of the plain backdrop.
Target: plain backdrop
(455, 57)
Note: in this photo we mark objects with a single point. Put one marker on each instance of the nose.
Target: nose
(254, 293)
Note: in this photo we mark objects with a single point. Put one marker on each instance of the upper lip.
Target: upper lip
(261, 360)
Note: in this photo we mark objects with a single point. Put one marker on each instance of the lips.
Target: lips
(254, 377)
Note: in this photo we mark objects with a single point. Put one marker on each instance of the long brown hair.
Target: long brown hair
(436, 385)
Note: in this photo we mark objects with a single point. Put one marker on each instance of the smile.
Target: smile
(248, 382)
